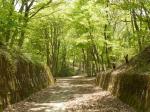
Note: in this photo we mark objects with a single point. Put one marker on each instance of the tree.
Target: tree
(83, 35)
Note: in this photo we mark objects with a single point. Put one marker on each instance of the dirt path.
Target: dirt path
(73, 94)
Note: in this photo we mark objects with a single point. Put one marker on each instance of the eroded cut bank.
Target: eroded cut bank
(20, 77)
(130, 82)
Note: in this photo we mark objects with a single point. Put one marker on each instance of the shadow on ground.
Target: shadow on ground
(71, 94)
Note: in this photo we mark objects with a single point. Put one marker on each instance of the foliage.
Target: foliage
(91, 35)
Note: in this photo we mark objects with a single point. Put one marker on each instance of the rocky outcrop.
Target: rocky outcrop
(130, 82)
(20, 77)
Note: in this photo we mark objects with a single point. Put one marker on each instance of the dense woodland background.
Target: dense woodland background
(76, 35)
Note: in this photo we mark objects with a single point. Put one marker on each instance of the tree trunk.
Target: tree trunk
(137, 29)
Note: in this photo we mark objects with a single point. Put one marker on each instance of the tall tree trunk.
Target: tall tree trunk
(106, 47)
(25, 23)
(137, 29)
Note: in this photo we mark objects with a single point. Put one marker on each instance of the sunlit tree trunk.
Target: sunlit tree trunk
(55, 46)
(25, 10)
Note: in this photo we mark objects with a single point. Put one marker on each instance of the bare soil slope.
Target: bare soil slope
(130, 82)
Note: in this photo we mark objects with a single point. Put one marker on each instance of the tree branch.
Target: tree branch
(30, 5)
(42, 7)
(48, 14)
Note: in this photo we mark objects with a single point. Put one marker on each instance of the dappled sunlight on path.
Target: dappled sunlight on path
(71, 94)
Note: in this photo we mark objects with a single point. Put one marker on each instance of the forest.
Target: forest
(106, 42)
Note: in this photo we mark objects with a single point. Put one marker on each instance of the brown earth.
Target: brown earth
(71, 94)
(130, 82)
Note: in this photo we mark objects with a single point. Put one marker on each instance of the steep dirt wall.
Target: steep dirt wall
(132, 89)
(20, 77)
(130, 82)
